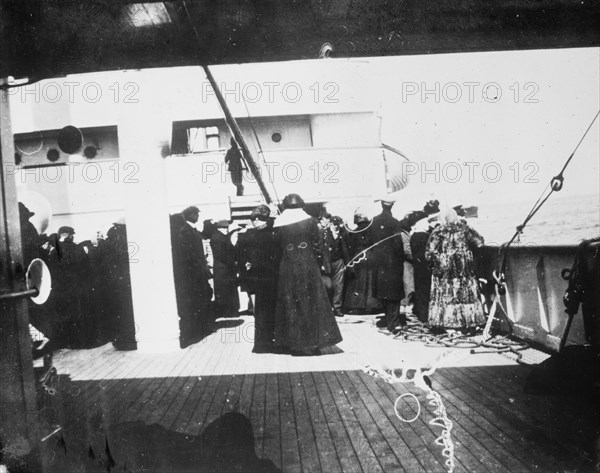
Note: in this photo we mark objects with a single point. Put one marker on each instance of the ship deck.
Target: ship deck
(158, 412)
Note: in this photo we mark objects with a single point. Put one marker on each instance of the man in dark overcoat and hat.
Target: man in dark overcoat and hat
(387, 258)
(191, 276)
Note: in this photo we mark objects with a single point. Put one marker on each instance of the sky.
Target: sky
(509, 120)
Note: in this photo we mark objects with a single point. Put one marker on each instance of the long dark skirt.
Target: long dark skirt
(304, 317)
(359, 290)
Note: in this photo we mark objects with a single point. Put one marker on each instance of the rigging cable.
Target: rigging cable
(555, 185)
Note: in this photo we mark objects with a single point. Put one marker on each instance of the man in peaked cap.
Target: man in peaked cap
(387, 259)
(66, 233)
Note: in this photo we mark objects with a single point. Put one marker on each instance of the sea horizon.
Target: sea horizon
(560, 221)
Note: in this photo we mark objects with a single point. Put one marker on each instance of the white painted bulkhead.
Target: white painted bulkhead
(136, 176)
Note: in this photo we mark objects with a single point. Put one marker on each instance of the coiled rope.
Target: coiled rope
(418, 332)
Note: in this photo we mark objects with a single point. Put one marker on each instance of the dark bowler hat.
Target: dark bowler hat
(190, 210)
(293, 201)
(262, 212)
(66, 230)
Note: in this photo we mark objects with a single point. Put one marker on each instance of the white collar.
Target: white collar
(289, 216)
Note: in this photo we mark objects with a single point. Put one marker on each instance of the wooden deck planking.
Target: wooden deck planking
(420, 429)
(559, 407)
(272, 421)
(463, 395)
(176, 389)
(363, 409)
(111, 392)
(290, 451)
(349, 461)
(305, 418)
(468, 449)
(328, 455)
(394, 430)
(497, 424)
(154, 392)
(529, 433)
(215, 391)
(470, 424)
(122, 368)
(309, 454)
(139, 390)
(413, 437)
(182, 407)
(367, 456)
(553, 415)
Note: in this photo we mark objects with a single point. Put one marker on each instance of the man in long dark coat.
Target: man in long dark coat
(388, 258)
(191, 276)
(69, 267)
(114, 257)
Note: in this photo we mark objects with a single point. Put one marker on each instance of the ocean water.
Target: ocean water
(561, 220)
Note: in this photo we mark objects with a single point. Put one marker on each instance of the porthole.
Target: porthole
(90, 152)
(53, 155)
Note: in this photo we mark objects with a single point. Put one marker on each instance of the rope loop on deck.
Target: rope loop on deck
(408, 421)
(421, 380)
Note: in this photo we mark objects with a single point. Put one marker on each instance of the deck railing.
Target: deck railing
(535, 288)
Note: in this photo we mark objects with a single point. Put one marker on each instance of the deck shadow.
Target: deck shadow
(226, 444)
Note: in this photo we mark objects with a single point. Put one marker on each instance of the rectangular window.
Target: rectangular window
(195, 137)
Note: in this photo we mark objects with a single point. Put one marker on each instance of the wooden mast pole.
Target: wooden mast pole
(237, 134)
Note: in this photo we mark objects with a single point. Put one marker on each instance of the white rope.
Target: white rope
(435, 400)
(362, 256)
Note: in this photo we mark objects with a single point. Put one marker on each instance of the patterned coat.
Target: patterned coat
(455, 301)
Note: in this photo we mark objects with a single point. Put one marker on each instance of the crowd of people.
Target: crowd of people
(300, 272)
(90, 302)
(303, 271)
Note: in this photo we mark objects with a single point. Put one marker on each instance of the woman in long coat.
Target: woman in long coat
(422, 271)
(455, 302)
(224, 272)
(259, 254)
(305, 321)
